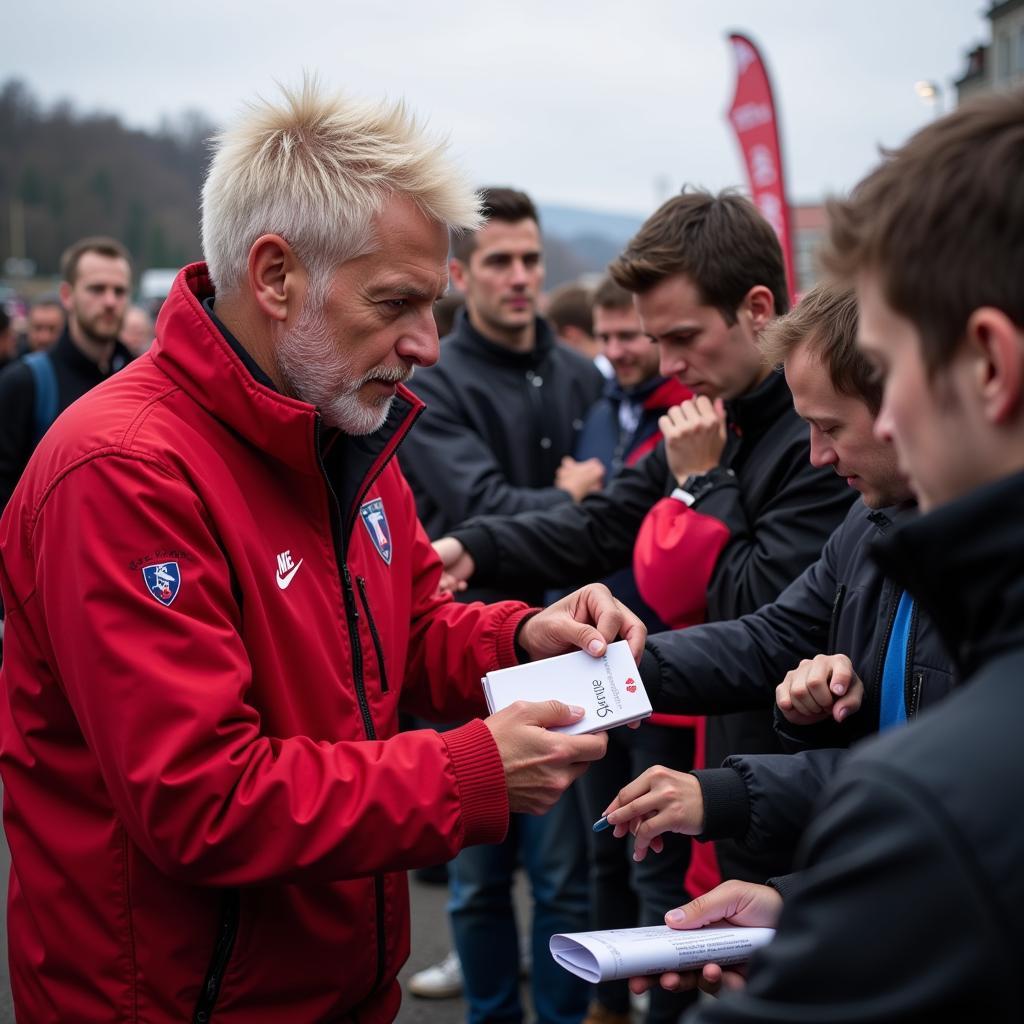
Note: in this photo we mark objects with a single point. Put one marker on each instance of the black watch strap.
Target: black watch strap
(698, 484)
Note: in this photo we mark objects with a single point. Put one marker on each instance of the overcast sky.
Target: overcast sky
(601, 104)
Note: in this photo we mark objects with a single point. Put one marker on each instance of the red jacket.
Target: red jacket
(208, 808)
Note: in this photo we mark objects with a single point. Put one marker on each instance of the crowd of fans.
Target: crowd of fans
(802, 519)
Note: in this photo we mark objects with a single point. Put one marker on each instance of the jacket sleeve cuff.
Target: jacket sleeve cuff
(726, 803)
(650, 676)
(507, 644)
(480, 778)
(479, 542)
(785, 884)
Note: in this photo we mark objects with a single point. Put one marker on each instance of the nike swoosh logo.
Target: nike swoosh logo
(283, 582)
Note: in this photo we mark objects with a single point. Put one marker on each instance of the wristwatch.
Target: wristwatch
(696, 485)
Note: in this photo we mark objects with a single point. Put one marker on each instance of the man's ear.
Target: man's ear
(759, 305)
(276, 278)
(996, 349)
(65, 296)
(457, 274)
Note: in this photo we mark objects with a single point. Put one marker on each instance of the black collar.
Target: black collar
(467, 336)
(754, 413)
(964, 564)
(240, 350)
(74, 358)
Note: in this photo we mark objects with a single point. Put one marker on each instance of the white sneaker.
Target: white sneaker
(439, 981)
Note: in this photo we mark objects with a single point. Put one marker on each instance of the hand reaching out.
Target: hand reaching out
(658, 801)
(732, 902)
(458, 565)
(580, 478)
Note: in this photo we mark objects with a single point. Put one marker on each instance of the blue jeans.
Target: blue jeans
(624, 894)
(552, 850)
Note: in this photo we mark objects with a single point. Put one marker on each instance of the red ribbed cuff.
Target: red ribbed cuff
(505, 641)
(480, 776)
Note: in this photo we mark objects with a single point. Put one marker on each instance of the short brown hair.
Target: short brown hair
(720, 242)
(610, 295)
(825, 320)
(571, 305)
(100, 244)
(503, 204)
(941, 222)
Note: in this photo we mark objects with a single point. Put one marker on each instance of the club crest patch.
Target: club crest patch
(163, 580)
(376, 523)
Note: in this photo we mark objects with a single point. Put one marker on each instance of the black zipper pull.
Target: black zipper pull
(350, 594)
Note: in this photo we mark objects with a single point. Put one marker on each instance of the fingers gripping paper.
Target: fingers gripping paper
(607, 688)
(631, 952)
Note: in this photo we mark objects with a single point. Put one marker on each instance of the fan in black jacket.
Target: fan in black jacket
(910, 902)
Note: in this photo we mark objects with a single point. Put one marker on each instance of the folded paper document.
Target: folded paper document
(631, 952)
(607, 688)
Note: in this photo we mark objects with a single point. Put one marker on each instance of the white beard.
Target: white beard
(308, 361)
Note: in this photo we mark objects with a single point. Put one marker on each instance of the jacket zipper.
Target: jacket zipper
(352, 617)
(915, 694)
(373, 634)
(876, 696)
(227, 931)
(908, 669)
(833, 626)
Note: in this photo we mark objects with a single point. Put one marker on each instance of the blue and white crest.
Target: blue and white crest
(163, 581)
(376, 523)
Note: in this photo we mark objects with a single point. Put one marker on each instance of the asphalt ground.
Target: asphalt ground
(431, 941)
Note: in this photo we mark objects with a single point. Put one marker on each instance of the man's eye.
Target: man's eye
(396, 305)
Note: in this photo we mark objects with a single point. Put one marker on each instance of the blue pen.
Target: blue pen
(601, 824)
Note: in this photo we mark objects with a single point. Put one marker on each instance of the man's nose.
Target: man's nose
(883, 425)
(520, 275)
(420, 345)
(822, 453)
(670, 363)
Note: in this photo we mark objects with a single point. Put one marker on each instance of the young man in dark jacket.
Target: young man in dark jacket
(506, 403)
(750, 512)
(97, 279)
(910, 899)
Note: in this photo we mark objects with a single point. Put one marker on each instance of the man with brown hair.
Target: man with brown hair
(733, 502)
(910, 899)
(96, 276)
(570, 312)
(505, 403)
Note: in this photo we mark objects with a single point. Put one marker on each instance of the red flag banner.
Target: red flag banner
(752, 116)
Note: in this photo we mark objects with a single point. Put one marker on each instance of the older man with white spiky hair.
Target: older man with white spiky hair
(219, 597)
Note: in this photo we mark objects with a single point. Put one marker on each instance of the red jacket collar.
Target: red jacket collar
(195, 355)
(670, 392)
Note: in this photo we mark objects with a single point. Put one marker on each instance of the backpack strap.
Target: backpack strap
(45, 379)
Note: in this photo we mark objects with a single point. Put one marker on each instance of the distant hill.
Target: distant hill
(570, 223)
(64, 174)
(582, 242)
